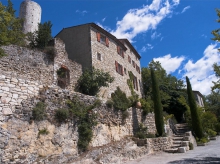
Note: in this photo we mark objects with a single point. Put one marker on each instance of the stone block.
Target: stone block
(5, 88)
(188, 134)
(181, 150)
(6, 111)
(14, 80)
(185, 143)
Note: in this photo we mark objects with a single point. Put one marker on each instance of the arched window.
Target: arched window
(63, 75)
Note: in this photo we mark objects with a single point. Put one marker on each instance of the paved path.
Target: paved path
(200, 155)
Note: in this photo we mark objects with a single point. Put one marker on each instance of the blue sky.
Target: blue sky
(175, 32)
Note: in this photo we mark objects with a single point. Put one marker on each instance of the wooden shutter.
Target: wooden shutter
(122, 70)
(118, 49)
(107, 42)
(116, 66)
(98, 36)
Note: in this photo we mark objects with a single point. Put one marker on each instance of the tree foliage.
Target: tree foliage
(92, 80)
(120, 100)
(10, 27)
(158, 110)
(172, 90)
(41, 37)
(195, 118)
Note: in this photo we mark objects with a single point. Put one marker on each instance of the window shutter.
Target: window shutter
(116, 66)
(107, 42)
(118, 49)
(136, 83)
(122, 71)
(123, 55)
(98, 36)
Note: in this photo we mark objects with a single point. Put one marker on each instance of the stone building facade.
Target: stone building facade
(92, 46)
(198, 98)
(30, 11)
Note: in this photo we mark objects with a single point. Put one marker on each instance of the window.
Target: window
(129, 59)
(135, 83)
(119, 68)
(125, 71)
(138, 69)
(133, 63)
(99, 56)
(120, 51)
(102, 39)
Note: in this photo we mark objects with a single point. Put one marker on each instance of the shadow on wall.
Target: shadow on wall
(197, 160)
(134, 120)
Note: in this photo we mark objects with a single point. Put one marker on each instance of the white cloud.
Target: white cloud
(185, 8)
(155, 35)
(147, 47)
(201, 72)
(170, 64)
(82, 12)
(103, 20)
(140, 20)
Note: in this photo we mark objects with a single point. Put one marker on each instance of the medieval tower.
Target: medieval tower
(30, 11)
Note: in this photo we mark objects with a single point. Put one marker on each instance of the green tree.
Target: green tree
(10, 27)
(158, 110)
(41, 37)
(92, 80)
(171, 90)
(196, 121)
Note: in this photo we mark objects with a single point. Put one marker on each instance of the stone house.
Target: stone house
(92, 46)
(198, 98)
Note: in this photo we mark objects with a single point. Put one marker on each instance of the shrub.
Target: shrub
(85, 119)
(50, 51)
(202, 140)
(217, 127)
(150, 135)
(92, 80)
(145, 106)
(141, 132)
(39, 111)
(191, 147)
(125, 115)
(120, 101)
(43, 131)
(61, 115)
(109, 103)
(211, 133)
(2, 53)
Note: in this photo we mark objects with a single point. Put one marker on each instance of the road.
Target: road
(200, 155)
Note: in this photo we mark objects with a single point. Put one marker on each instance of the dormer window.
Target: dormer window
(120, 51)
(102, 39)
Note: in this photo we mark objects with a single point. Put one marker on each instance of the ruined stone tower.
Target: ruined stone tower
(30, 11)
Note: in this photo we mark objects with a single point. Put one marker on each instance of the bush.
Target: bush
(211, 133)
(202, 140)
(61, 115)
(191, 147)
(120, 101)
(150, 135)
(92, 80)
(50, 51)
(43, 131)
(141, 132)
(145, 106)
(109, 103)
(2, 53)
(125, 115)
(39, 111)
(217, 127)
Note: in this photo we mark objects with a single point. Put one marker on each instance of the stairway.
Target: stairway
(179, 143)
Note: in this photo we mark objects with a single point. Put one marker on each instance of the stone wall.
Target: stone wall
(25, 72)
(19, 131)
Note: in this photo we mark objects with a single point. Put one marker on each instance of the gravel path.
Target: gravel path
(200, 155)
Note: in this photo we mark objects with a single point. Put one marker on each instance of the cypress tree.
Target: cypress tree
(158, 110)
(196, 121)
